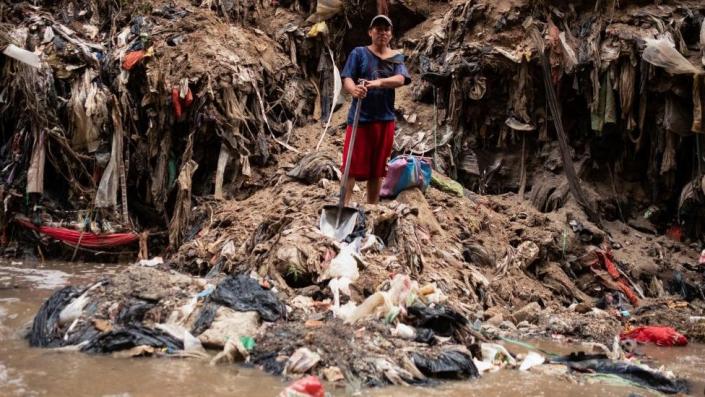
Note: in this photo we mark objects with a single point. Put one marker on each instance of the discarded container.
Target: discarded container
(404, 331)
(496, 355)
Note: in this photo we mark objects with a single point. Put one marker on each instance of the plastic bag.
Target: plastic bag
(325, 9)
(405, 172)
(448, 365)
(662, 53)
(242, 293)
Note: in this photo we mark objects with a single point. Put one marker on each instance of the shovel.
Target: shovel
(338, 221)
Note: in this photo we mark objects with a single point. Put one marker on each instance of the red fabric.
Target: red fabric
(178, 103)
(309, 386)
(175, 102)
(132, 58)
(89, 240)
(661, 336)
(373, 145)
(674, 233)
(605, 258)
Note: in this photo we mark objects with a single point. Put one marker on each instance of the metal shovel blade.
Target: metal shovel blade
(346, 225)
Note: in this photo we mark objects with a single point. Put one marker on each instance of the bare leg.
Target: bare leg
(374, 185)
(349, 186)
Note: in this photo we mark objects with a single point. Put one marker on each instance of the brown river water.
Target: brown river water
(26, 371)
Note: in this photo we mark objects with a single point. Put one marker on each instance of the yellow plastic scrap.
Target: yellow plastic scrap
(319, 28)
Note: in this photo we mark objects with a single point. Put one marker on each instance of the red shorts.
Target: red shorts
(373, 145)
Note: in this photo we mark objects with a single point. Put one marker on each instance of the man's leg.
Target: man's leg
(349, 186)
(374, 185)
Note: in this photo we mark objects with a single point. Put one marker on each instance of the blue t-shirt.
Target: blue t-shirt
(378, 105)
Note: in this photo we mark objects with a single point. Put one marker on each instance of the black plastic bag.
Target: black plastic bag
(442, 320)
(243, 294)
(134, 311)
(45, 327)
(679, 286)
(425, 335)
(452, 364)
(644, 377)
(205, 319)
(129, 337)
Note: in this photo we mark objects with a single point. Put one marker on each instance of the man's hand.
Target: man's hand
(359, 92)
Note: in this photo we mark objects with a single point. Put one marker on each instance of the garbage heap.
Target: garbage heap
(403, 301)
(114, 116)
(625, 79)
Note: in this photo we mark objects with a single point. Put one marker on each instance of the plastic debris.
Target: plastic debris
(22, 55)
(309, 386)
(453, 364)
(532, 359)
(301, 361)
(242, 293)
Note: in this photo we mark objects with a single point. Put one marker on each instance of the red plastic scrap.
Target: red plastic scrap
(309, 386)
(180, 103)
(132, 58)
(605, 259)
(661, 336)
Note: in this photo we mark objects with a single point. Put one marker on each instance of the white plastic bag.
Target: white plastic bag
(662, 52)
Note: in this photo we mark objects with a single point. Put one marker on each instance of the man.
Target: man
(371, 75)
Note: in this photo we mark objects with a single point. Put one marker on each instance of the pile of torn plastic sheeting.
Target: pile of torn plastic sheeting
(127, 113)
(630, 77)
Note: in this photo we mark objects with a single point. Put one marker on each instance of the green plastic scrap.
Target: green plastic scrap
(445, 184)
(393, 313)
(248, 342)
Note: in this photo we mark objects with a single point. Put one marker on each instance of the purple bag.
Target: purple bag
(404, 172)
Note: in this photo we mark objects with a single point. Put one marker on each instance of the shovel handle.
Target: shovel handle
(348, 158)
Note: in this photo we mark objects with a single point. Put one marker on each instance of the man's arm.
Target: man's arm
(388, 82)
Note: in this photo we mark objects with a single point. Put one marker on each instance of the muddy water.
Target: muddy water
(37, 372)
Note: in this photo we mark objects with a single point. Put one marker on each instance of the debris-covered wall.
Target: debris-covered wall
(133, 104)
(628, 79)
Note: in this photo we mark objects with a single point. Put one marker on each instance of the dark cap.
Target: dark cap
(381, 20)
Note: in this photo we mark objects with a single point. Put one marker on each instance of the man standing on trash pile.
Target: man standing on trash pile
(371, 75)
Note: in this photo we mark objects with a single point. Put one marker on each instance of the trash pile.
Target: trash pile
(500, 76)
(114, 117)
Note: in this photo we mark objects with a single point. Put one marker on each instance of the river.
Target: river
(26, 371)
